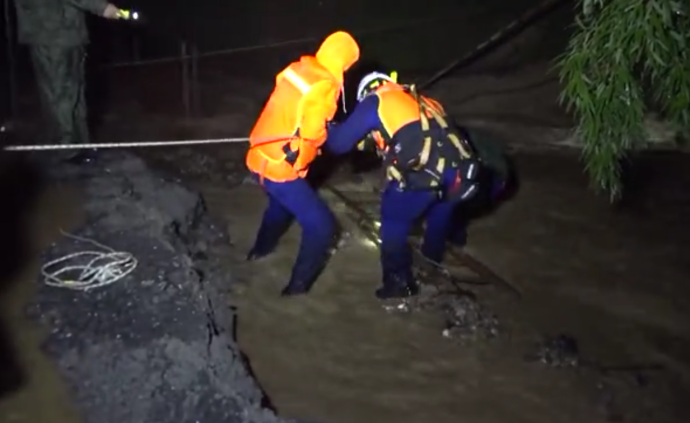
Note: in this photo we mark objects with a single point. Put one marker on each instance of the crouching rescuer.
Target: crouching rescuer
(285, 141)
(430, 169)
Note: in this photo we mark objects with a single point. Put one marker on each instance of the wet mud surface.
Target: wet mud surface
(157, 345)
(34, 392)
(599, 334)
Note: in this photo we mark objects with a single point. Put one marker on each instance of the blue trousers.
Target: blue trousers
(400, 210)
(297, 199)
(445, 222)
(492, 188)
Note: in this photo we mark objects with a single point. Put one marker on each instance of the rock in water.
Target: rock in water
(556, 351)
(157, 346)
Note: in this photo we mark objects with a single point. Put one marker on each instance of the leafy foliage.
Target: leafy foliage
(625, 57)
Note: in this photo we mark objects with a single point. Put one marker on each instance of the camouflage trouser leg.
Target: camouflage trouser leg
(60, 77)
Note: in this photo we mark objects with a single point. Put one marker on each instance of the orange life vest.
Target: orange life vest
(401, 105)
(277, 151)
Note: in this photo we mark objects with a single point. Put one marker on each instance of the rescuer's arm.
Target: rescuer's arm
(98, 7)
(364, 119)
(318, 108)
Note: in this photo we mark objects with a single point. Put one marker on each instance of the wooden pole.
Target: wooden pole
(11, 60)
(184, 61)
(195, 90)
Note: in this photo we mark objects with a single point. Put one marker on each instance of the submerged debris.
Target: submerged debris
(440, 291)
(557, 351)
(344, 238)
(464, 317)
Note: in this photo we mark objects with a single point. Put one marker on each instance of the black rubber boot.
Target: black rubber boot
(267, 239)
(398, 281)
(304, 275)
(296, 287)
(311, 260)
(299, 284)
(82, 157)
(256, 254)
(396, 286)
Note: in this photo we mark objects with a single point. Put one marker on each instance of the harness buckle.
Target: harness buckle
(290, 154)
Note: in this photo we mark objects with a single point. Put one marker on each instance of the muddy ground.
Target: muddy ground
(615, 280)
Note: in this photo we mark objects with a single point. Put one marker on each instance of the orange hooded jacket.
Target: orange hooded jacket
(292, 127)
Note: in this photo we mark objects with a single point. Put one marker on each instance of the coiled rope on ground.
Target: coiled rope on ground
(87, 270)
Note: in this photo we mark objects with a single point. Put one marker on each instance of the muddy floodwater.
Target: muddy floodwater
(615, 280)
(41, 397)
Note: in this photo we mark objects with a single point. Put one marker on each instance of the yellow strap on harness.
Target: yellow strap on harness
(425, 109)
(393, 173)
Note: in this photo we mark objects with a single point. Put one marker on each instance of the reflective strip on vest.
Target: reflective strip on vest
(303, 87)
(296, 80)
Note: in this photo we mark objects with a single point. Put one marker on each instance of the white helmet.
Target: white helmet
(367, 83)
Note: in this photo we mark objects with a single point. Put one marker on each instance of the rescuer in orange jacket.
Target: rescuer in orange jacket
(430, 165)
(285, 140)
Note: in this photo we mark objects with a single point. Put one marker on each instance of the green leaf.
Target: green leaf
(619, 49)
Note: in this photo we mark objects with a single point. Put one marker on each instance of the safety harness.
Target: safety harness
(422, 167)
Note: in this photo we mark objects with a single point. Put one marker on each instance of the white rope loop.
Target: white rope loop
(105, 267)
(137, 144)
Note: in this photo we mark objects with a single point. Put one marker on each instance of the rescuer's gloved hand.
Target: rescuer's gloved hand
(112, 12)
(367, 144)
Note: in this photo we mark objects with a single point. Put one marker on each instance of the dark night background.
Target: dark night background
(413, 37)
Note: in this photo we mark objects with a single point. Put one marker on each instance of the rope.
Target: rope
(266, 46)
(138, 144)
(208, 54)
(11, 58)
(499, 37)
(496, 39)
(105, 267)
